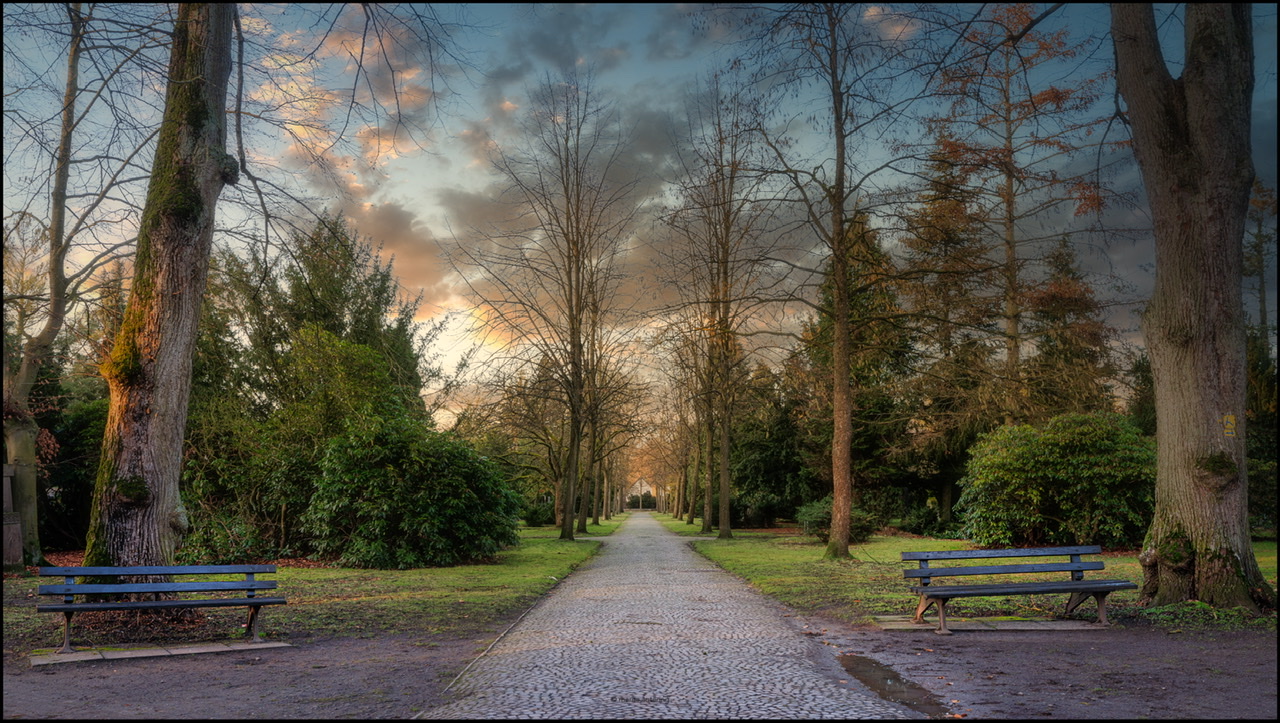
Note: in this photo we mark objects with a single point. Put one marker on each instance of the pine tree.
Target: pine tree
(952, 290)
(1012, 134)
(1072, 368)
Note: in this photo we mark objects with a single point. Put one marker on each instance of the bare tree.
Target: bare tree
(542, 280)
(720, 250)
(91, 200)
(682, 342)
(850, 57)
(1191, 137)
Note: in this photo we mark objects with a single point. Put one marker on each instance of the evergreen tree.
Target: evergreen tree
(285, 361)
(951, 288)
(880, 351)
(1072, 368)
(770, 477)
(1142, 405)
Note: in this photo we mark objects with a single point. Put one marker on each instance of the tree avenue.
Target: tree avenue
(549, 284)
(854, 291)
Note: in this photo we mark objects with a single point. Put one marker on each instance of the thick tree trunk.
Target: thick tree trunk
(708, 489)
(20, 448)
(137, 516)
(586, 500)
(677, 510)
(1191, 138)
(695, 476)
(841, 325)
(725, 527)
(841, 412)
(569, 485)
(606, 495)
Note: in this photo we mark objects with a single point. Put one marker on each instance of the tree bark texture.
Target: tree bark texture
(841, 324)
(1191, 138)
(708, 489)
(137, 515)
(725, 527)
(841, 400)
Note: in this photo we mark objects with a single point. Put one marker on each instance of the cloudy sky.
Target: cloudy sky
(645, 56)
(422, 193)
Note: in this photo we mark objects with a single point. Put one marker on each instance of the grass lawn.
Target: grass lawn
(329, 602)
(790, 568)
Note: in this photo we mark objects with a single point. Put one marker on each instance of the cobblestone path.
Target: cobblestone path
(650, 629)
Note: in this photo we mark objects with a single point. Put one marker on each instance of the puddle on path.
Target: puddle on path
(891, 686)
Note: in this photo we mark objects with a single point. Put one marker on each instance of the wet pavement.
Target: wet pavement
(650, 629)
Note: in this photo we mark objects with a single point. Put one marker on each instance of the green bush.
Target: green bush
(395, 494)
(224, 539)
(538, 514)
(815, 519)
(925, 520)
(1079, 479)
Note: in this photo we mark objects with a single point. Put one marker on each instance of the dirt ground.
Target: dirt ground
(1120, 672)
(318, 679)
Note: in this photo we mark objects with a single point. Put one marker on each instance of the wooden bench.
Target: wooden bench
(154, 582)
(1078, 587)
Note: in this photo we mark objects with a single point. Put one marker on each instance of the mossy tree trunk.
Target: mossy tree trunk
(1191, 138)
(137, 515)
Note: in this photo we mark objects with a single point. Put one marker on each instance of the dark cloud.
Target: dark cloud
(688, 30)
(670, 38)
(567, 35)
(407, 241)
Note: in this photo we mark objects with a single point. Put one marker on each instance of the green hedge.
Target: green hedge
(1078, 479)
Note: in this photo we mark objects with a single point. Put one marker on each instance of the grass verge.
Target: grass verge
(789, 567)
(333, 602)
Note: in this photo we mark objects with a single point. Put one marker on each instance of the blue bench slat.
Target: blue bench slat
(1004, 569)
(139, 587)
(148, 604)
(1024, 588)
(158, 570)
(1013, 552)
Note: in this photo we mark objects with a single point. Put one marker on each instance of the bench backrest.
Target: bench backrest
(1076, 566)
(148, 583)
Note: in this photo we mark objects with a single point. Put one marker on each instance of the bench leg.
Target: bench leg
(253, 622)
(924, 604)
(1102, 607)
(66, 634)
(942, 618)
(1074, 601)
(1100, 597)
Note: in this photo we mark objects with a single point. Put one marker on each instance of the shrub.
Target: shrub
(223, 539)
(1079, 479)
(538, 514)
(394, 494)
(815, 519)
(925, 520)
